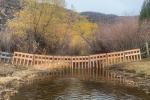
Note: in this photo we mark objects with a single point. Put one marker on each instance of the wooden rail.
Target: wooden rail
(98, 60)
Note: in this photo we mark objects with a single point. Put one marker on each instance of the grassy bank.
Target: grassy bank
(13, 77)
(138, 71)
(10, 80)
(140, 68)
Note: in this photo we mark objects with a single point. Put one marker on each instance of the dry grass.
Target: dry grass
(141, 67)
(5, 80)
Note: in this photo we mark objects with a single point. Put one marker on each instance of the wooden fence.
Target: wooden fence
(98, 60)
(5, 57)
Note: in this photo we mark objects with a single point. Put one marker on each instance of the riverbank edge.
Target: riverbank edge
(10, 84)
(142, 80)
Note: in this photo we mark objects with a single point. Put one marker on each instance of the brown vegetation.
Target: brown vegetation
(46, 29)
(119, 35)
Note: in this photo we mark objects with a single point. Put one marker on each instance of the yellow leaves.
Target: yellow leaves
(53, 24)
(76, 41)
(82, 29)
(62, 28)
(20, 23)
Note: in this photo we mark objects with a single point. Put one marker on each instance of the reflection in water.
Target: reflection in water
(81, 84)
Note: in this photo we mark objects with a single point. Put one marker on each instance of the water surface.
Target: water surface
(80, 85)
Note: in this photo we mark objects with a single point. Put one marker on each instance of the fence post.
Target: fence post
(71, 62)
(33, 60)
(124, 57)
(13, 58)
(0, 55)
(89, 64)
(147, 49)
(140, 55)
(107, 60)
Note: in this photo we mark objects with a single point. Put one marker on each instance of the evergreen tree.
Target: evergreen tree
(145, 12)
(145, 23)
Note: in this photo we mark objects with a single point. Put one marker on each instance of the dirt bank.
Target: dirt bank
(138, 71)
(13, 77)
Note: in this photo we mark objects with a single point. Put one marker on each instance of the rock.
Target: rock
(7, 9)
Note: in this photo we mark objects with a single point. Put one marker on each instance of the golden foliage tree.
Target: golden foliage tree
(48, 27)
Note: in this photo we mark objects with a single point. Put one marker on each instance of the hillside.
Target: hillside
(105, 18)
(8, 7)
(100, 17)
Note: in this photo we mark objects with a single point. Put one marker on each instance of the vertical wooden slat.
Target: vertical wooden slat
(17, 59)
(96, 61)
(140, 54)
(107, 59)
(75, 63)
(0, 56)
(13, 58)
(71, 63)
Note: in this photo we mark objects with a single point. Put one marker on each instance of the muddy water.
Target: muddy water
(81, 84)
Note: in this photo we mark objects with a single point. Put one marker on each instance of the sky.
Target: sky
(118, 7)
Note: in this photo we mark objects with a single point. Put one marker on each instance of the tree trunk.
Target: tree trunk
(147, 49)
